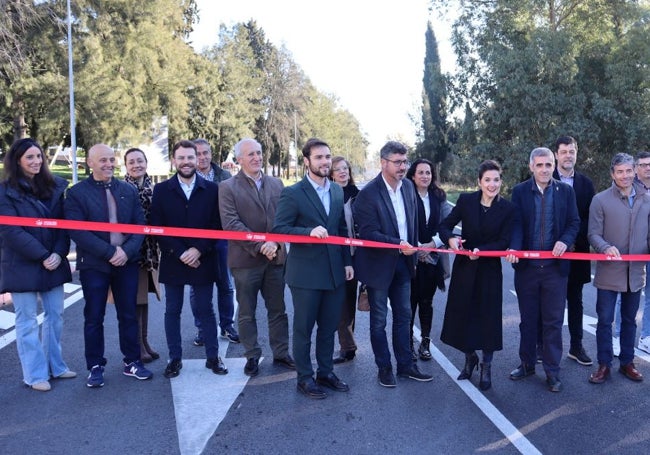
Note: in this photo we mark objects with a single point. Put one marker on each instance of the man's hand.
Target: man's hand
(473, 257)
(119, 258)
(456, 243)
(52, 262)
(406, 248)
(511, 258)
(319, 232)
(270, 250)
(190, 257)
(559, 248)
(612, 251)
(349, 272)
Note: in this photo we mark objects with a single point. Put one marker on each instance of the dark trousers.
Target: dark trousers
(202, 311)
(574, 312)
(269, 280)
(123, 282)
(225, 293)
(541, 292)
(348, 314)
(310, 307)
(423, 288)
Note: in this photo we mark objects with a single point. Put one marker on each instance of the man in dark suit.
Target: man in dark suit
(566, 152)
(225, 294)
(315, 272)
(187, 200)
(385, 211)
(546, 220)
(247, 203)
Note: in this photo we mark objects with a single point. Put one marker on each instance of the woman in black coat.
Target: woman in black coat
(473, 314)
(33, 261)
(429, 274)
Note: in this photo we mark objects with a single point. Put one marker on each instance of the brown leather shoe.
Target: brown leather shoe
(601, 375)
(631, 372)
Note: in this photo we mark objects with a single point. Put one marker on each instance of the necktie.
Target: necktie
(116, 237)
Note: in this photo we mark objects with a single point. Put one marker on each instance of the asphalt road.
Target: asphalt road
(200, 412)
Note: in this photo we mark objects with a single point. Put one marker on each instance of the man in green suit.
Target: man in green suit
(315, 272)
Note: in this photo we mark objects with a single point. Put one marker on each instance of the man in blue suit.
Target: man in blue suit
(385, 211)
(316, 273)
(546, 220)
(190, 201)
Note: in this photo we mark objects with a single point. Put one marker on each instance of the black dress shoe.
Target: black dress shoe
(333, 382)
(173, 368)
(344, 356)
(311, 389)
(554, 384)
(386, 377)
(252, 369)
(286, 362)
(216, 365)
(522, 371)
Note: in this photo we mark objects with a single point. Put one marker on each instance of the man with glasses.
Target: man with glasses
(386, 211)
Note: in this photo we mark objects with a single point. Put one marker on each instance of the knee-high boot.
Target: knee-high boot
(144, 355)
(145, 331)
(471, 363)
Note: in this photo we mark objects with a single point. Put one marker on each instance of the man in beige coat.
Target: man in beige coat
(247, 203)
(618, 224)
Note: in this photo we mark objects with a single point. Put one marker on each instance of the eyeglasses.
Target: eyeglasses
(339, 169)
(399, 163)
(643, 164)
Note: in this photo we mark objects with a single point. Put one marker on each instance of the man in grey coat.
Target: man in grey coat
(618, 224)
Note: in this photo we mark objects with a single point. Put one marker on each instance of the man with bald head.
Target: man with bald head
(107, 260)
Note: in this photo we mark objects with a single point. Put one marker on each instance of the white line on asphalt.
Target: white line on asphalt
(10, 337)
(489, 410)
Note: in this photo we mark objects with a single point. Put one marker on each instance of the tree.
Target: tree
(434, 143)
(532, 70)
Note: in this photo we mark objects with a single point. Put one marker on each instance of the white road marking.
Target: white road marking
(202, 400)
(500, 421)
(7, 319)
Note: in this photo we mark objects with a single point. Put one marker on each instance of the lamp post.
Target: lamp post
(73, 134)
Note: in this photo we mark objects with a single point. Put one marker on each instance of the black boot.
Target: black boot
(414, 356)
(145, 330)
(471, 363)
(144, 355)
(423, 349)
(486, 376)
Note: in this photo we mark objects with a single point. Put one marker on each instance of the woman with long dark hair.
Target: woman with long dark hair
(33, 261)
(341, 173)
(429, 274)
(136, 174)
(473, 314)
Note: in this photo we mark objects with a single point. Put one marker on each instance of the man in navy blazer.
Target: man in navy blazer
(546, 219)
(315, 272)
(187, 200)
(566, 152)
(385, 211)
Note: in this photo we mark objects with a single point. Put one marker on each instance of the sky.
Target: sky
(369, 54)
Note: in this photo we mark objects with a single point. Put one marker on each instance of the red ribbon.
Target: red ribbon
(268, 237)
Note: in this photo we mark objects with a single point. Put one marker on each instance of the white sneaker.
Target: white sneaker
(616, 344)
(644, 344)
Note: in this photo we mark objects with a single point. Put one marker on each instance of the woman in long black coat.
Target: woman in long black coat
(473, 314)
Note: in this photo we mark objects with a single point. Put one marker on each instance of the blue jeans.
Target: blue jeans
(123, 282)
(201, 309)
(645, 322)
(225, 293)
(605, 306)
(398, 292)
(39, 357)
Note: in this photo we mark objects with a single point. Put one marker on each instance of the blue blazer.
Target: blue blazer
(376, 220)
(310, 265)
(170, 207)
(566, 222)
